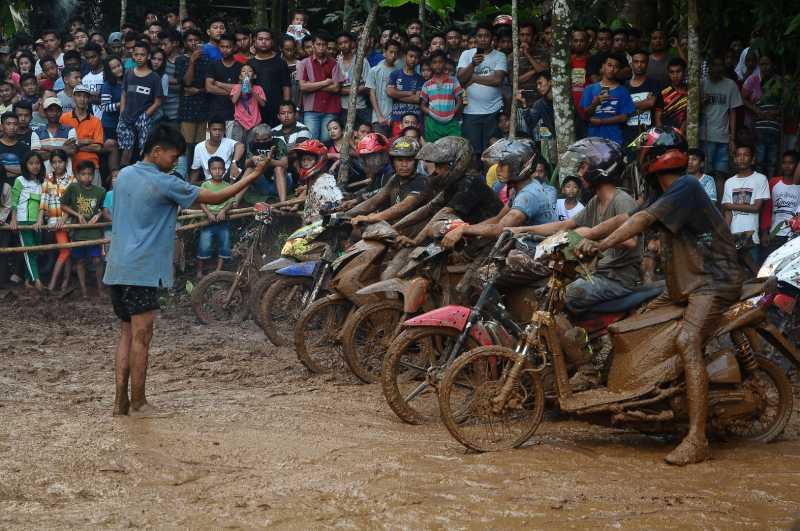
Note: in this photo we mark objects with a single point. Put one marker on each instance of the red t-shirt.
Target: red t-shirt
(310, 69)
(580, 78)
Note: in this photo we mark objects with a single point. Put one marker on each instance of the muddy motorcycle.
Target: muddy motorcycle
(318, 330)
(492, 398)
(296, 284)
(224, 296)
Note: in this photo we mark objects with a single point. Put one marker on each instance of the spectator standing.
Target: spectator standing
(320, 82)
(88, 131)
(720, 98)
(220, 80)
(658, 58)
(674, 97)
(607, 103)
(218, 228)
(454, 48)
(25, 203)
(272, 75)
(53, 188)
(72, 78)
(243, 42)
(247, 98)
(603, 44)
(110, 97)
(404, 88)
(93, 80)
(378, 81)
(782, 205)
(695, 169)
(12, 151)
(345, 42)
(56, 135)
(170, 45)
(441, 101)
(644, 92)
(52, 47)
(481, 71)
(744, 197)
(289, 48)
(25, 134)
(579, 72)
(142, 93)
(215, 31)
(227, 149)
(190, 69)
(763, 94)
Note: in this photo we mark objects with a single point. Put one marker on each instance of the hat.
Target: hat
(115, 37)
(51, 101)
(80, 88)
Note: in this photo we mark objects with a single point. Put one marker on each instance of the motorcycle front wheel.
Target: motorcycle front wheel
(210, 301)
(317, 334)
(281, 306)
(466, 400)
(367, 335)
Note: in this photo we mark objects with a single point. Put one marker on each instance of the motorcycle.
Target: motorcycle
(493, 398)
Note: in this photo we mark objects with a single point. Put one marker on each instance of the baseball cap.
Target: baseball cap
(51, 101)
(80, 88)
(115, 37)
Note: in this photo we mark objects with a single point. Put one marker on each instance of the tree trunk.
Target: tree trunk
(259, 8)
(422, 17)
(347, 15)
(512, 118)
(123, 11)
(355, 80)
(183, 9)
(562, 81)
(693, 111)
(275, 13)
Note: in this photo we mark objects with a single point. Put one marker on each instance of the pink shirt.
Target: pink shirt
(246, 111)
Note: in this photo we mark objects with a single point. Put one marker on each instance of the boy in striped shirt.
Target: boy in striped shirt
(442, 100)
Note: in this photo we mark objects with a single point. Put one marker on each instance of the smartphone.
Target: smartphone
(479, 51)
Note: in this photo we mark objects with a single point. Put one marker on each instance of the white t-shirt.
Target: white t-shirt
(483, 99)
(785, 200)
(564, 213)
(745, 191)
(37, 68)
(224, 151)
(95, 82)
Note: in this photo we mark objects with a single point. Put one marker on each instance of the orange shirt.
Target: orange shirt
(91, 128)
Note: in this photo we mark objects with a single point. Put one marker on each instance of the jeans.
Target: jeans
(265, 185)
(582, 295)
(216, 231)
(476, 128)
(767, 145)
(716, 157)
(317, 123)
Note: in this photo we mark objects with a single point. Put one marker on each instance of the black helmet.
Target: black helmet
(518, 153)
(604, 159)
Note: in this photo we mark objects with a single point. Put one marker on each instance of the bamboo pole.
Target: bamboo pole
(52, 246)
(512, 118)
(68, 226)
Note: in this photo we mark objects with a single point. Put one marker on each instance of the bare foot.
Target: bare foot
(147, 411)
(121, 406)
(689, 451)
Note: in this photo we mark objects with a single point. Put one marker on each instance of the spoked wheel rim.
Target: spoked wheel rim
(317, 335)
(281, 307)
(367, 336)
(467, 400)
(211, 302)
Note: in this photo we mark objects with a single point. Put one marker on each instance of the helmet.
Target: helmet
(662, 148)
(603, 157)
(372, 143)
(312, 147)
(405, 146)
(502, 20)
(518, 153)
(453, 150)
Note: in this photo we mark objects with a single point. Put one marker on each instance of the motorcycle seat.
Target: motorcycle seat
(639, 296)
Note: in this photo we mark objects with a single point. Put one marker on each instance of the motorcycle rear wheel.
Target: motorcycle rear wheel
(317, 340)
(208, 299)
(465, 401)
(281, 306)
(259, 289)
(774, 389)
(366, 337)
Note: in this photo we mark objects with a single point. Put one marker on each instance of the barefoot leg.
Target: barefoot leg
(122, 370)
(98, 273)
(80, 266)
(142, 330)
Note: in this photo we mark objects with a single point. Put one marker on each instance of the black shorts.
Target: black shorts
(133, 300)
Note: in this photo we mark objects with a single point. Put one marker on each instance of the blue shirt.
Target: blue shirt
(404, 82)
(144, 211)
(619, 102)
(212, 52)
(535, 202)
(374, 58)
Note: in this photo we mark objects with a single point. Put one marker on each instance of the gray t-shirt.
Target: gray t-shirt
(657, 69)
(347, 72)
(378, 80)
(145, 208)
(720, 99)
(619, 264)
(483, 99)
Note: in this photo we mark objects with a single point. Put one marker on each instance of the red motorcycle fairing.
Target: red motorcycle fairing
(451, 316)
(599, 322)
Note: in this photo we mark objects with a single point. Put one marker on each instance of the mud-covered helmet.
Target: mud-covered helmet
(518, 153)
(502, 20)
(311, 147)
(662, 149)
(405, 146)
(446, 150)
(372, 143)
(604, 160)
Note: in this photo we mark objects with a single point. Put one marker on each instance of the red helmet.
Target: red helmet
(372, 143)
(502, 20)
(662, 149)
(311, 147)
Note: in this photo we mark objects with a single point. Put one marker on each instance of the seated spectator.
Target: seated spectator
(276, 181)
(569, 206)
(218, 229)
(229, 150)
(290, 130)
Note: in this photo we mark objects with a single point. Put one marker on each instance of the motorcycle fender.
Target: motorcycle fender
(774, 337)
(415, 295)
(278, 264)
(303, 269)
(354, 250)
(394, 285)
(454, 317)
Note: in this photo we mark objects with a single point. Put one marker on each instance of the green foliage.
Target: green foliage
(442, 8)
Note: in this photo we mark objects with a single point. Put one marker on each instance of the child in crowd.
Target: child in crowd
(53, 188)
(218, 228)
(404, 88)
(142, 92)
(569, 206)
(26, 195)
(697, 159)
(83, 201)
(442, 101)
(247, 99)
(108, 204)
(425, 70)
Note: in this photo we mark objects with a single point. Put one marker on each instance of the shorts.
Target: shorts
(193, 132)
(128, 134)
(133, 300)
(110, 133)
(435, 130)
(219, 232)
(91, 251)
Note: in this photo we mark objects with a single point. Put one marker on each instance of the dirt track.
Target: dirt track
(253, 441)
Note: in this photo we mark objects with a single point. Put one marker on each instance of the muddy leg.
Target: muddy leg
(122, 370)
(80, 266)
(98, 274)
(142, 331)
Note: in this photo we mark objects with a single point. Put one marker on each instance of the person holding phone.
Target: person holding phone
(607, 103)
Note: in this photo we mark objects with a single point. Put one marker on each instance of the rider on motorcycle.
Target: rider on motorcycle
(700, 262)
(531, 203)
(321, 193)
(598, 163)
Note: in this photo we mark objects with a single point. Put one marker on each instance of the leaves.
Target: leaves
(794, 25)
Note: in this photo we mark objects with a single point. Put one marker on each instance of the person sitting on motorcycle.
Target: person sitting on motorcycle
(321, 193)
(373, 158)
(599, 164)
(531, 203)
(459, 198)
(700, 262)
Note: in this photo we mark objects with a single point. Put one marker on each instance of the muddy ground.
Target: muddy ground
(253, 441)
